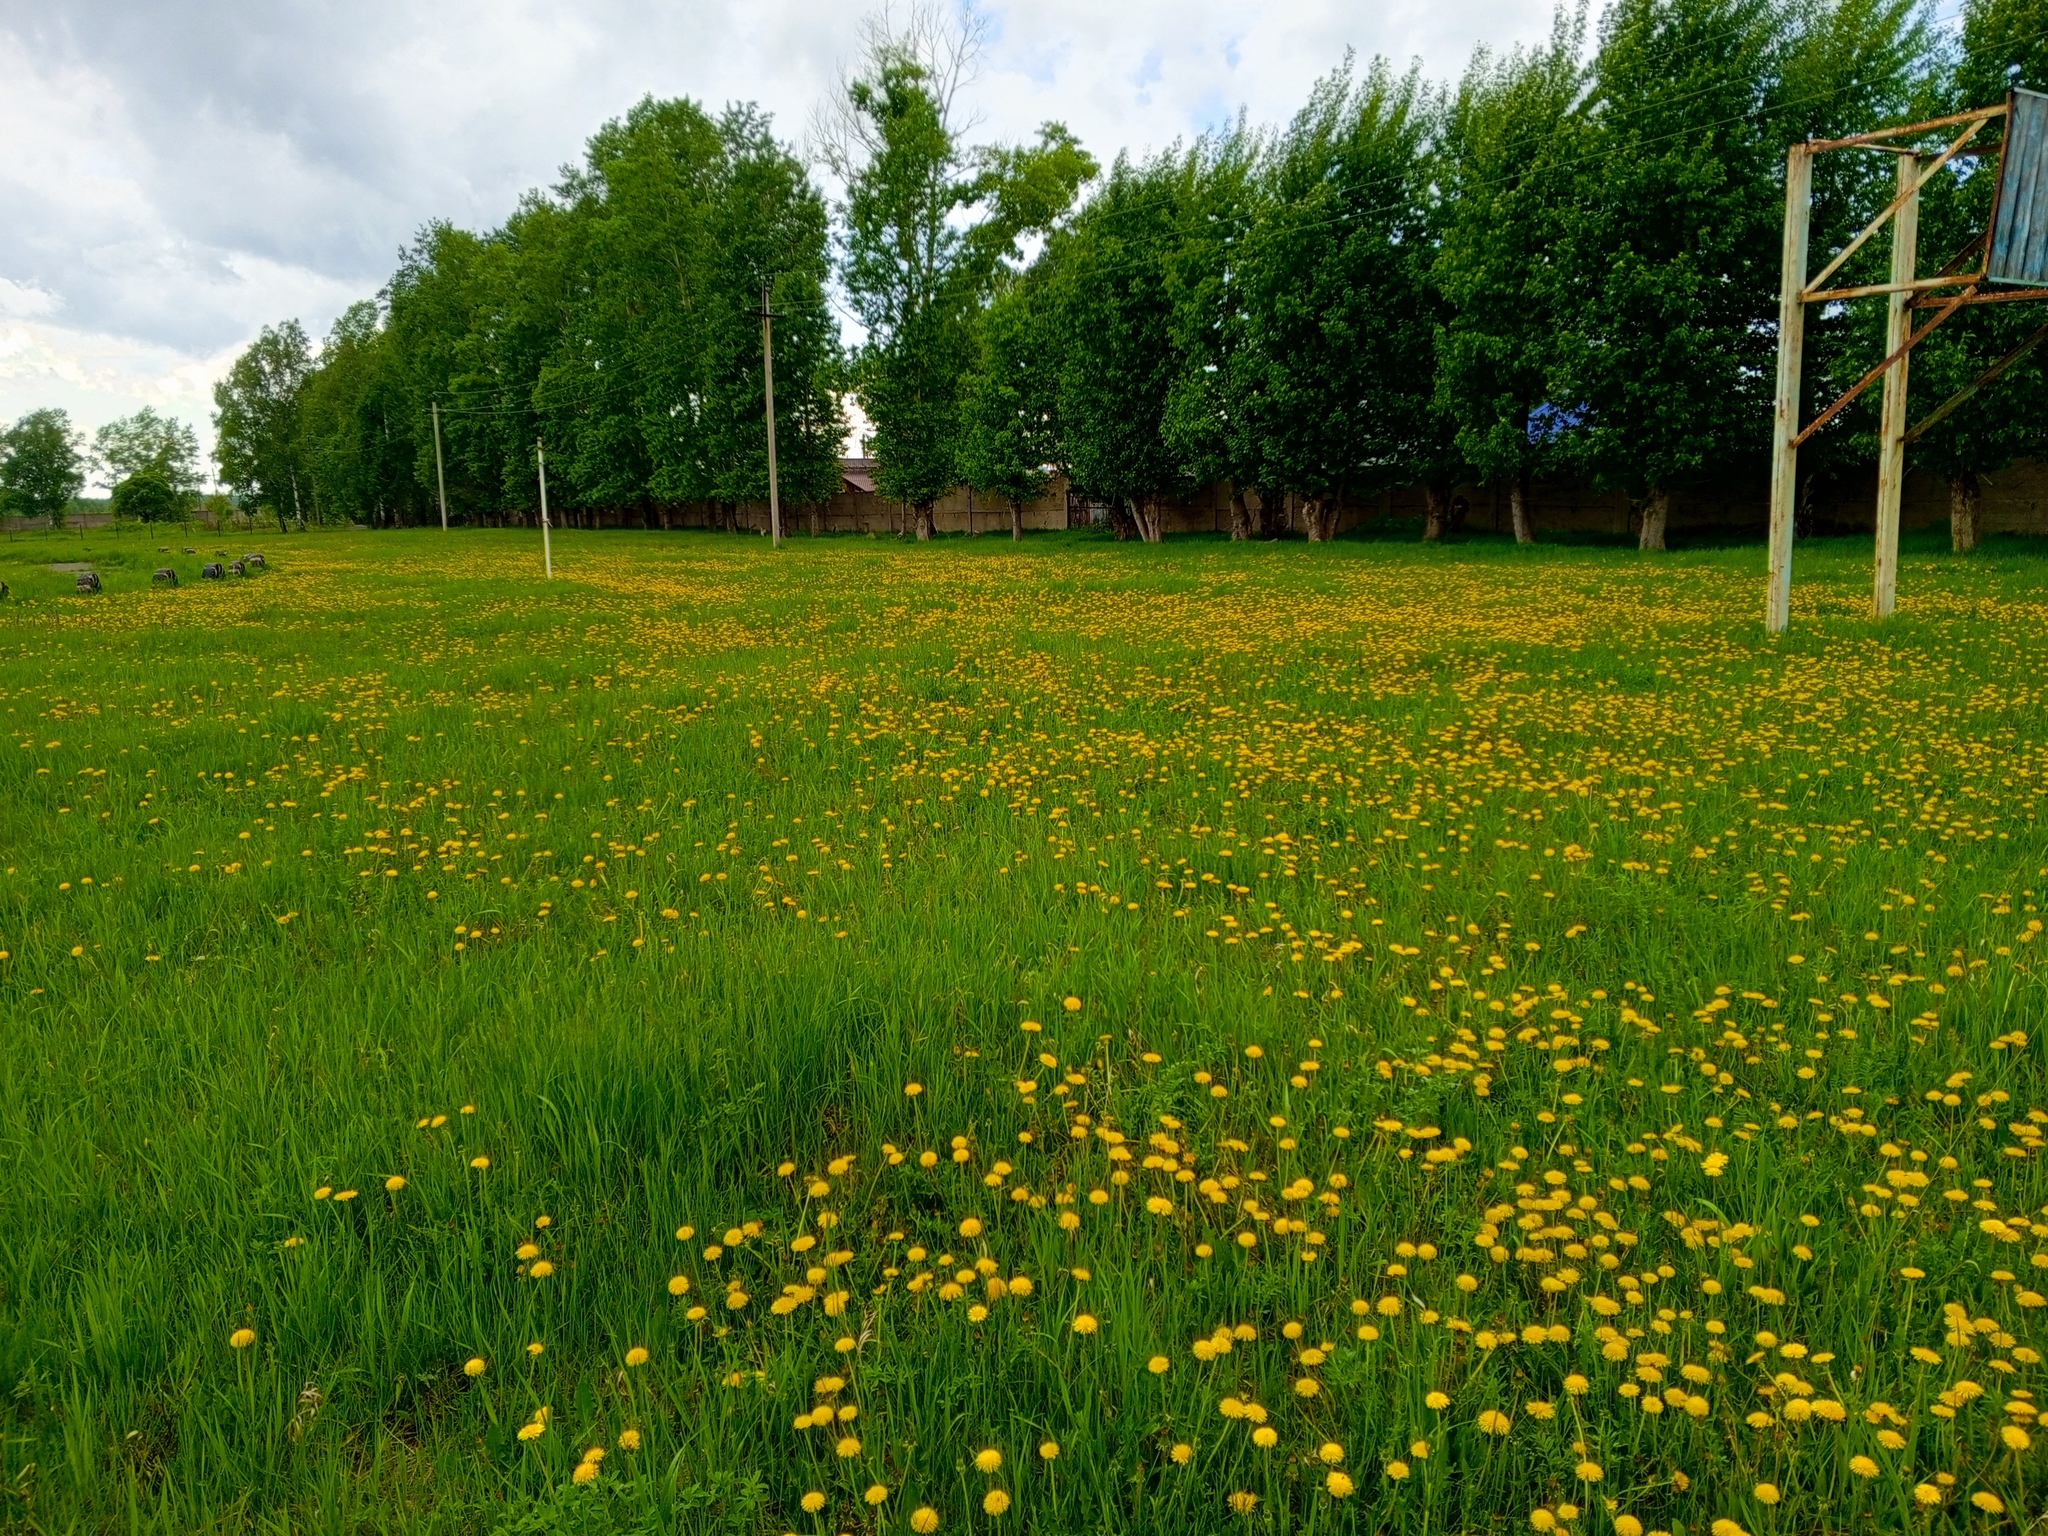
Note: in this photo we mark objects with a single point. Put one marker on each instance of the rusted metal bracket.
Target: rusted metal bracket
(1879, 135)
(1989, 375)
(1949, 307)
(1995, 296)
(1906, 194)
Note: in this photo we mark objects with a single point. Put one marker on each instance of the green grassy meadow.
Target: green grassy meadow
(1261, 1038)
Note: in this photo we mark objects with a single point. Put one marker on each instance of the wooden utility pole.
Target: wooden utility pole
(547, 553)
(768, 382)
(1785, 419)
(440, 476)
(1891, 440)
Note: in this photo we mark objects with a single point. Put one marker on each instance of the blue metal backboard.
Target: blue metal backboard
(2019, 231)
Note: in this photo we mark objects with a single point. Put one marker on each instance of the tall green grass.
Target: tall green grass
(296, 862)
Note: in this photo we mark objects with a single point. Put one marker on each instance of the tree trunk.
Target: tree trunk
(925, 526)
(1319, 518)
(1240, 516)
(1016, 520)
(1150, 519)
(970, 513)
(814, 514)
(1656, 513)
(1121, 521)
(1519, 512)
(1434, 505)
(1265, 515)
(1965, 500)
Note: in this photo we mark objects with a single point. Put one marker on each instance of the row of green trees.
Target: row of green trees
(616, 318)
(1566, 263)
(150, 461)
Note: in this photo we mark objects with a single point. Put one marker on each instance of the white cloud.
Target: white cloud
(180, 174)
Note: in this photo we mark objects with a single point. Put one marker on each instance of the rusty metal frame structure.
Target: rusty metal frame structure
(1946, 294)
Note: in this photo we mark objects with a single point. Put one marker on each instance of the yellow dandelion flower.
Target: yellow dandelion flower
(1438, 1401)
(541, 1269)
(1396, 1470)
(1085, 1323)
(1988, 1501)
(2015, 1438)
(1244, 1501)
(812, 1502)
(876, 1494)
(1048, 1450)
(586, 1472)
(241, 1338)
(988, 1460)
(1863, 1466)
(532, 1431)
(1338, 1484)
(474, 1366)
(1182, 1453)
(995, 1501)
(1627, 1525)
(1589, 1471)
(629, 1439)
(1493, 1422)
(1159, 1365)
(394, 1184)
(1330, 1453)
(1265, 1437)
(924, 1520)
(1767, 1493)
(848, 1446)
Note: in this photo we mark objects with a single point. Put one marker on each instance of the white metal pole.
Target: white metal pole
(547, 553)
(768, 380)
(1785, 419)
(1891, 438)
(440, 476)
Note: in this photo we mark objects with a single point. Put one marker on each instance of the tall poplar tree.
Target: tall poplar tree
(1511, 159)
(1342, 308)
(1669, 253)
(928, 224)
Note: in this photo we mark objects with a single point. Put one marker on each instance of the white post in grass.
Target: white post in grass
(1785, 420)
(547, 553)
(1891, 435)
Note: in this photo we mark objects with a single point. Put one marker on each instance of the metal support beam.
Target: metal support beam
(1948, 308)
(1817, 145)
(1909, 190)
(1785, 418)
(1942, 412)
(1995, 296)
(1918, 285)
(1891, 435)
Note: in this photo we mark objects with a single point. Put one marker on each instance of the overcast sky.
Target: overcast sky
(177, 174)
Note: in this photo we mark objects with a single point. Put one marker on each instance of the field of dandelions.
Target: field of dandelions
(1064, 1038)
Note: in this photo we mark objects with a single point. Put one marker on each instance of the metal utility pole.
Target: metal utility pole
(547, 553)
(768, 381)
(440, 476)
